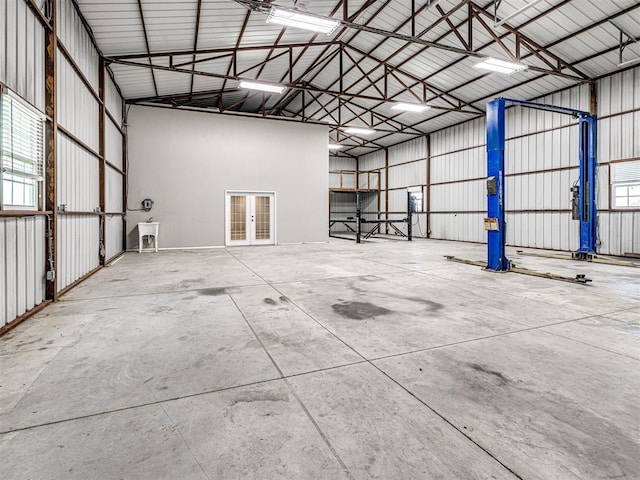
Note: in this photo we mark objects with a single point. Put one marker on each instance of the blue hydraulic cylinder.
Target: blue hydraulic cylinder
(496, 224)
(587, 199)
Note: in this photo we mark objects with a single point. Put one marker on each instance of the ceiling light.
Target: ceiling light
(500, 66)
(359, 131)
(335, 146)
(410, 107)
(263, 87)
(306, 21)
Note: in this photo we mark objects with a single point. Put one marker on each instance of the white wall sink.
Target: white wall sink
(148, 229)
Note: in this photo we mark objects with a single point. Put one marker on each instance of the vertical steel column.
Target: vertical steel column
(50, 168)
(587, 198)
(409, 217)
(497, 259)
(102, 165)
(358, 217)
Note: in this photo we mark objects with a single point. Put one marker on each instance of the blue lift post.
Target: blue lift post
(495, 224)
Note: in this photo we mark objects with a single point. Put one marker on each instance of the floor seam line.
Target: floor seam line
(497, 335)
(448, 422)
(186, 444)
(295, 395)
(272, 285)
(593, 346)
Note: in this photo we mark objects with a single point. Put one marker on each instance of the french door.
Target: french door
(250, 218)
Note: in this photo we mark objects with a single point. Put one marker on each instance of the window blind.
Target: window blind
(22, 141)
(626, 172)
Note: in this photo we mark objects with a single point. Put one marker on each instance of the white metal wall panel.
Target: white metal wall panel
(114, 225)
(463, 165)
(408, 151)
(22, 265)
(372, 161)
(22, 52)
(77, 108)
(113, 144)
(540, 191)
(550, 230)
(78, 177)
(370, 180)
(342, 180)
(113, 191)
(459, 197)
(618, 139)
(543, 151)
(76, 40)
(342, 163)
(408, 174)
(467, 135)
(466, 227)
(112, 99)
(398, 200)
(78, 242)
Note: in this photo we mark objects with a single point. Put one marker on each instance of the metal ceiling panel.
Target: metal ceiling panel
(236, 42)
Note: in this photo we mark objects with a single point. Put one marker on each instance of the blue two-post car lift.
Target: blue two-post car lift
(585, 208)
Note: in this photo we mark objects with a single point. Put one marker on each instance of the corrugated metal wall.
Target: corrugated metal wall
(619, 141)
(114, 171)
(22, 240)
(23, 247)
(22, 52)
(77, 107)
(77, 41)
(78, 254)
(541, 165)
(22, 263)
(78, 177)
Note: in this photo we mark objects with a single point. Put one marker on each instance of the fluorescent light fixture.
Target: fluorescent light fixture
(306, 21)
(410, 107)
(359, 131)
(263, 87)
(500, 66)
(517, 12)
(335, 146)
(629, 62)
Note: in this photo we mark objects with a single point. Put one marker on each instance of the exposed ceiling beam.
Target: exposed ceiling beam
(146, 43)
(195, 40)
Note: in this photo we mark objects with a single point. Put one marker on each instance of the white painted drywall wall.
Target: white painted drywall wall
(184, 161)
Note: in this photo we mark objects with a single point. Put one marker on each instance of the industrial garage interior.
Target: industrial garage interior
(320, 239)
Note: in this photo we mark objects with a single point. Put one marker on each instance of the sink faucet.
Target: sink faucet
(150, 220)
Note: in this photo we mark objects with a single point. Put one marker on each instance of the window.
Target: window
(626, 184)
(22, 147)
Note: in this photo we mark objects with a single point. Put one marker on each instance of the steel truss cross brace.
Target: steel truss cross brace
(496, 139)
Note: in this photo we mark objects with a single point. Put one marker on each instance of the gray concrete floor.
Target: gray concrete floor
(337, 360)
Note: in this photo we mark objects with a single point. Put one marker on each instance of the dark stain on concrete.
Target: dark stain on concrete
(359, 310)
(183, 338)
(118, 280)
(429, 304)
(23, 344)
(269, 301)
(479, 368)
(213, 292)
(164, 387)
(284, 299)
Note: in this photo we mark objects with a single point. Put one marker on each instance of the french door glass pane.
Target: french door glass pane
(238, 217)
(263, 218)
